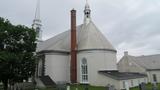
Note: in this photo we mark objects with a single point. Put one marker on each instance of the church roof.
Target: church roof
(150, 62)
(88, 37)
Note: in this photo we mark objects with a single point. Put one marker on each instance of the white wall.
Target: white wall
(150, 75)
(57, 67)
(127, 65)
(97, 60)
(136, 82)
(104, 81)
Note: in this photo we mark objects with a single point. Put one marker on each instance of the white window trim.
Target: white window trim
(82, 81)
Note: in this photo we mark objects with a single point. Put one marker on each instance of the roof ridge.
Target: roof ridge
(148, 55)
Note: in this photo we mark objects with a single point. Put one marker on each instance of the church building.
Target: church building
(81, 54)
(77, 55)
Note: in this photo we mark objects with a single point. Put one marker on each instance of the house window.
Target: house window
(154, 78)
(124, 86)
(132, 83)
(144, 80)
(139, 82)
(84, 71)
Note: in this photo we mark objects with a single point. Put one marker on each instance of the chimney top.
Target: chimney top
(126, 53)
(73, 13)
(73, 10)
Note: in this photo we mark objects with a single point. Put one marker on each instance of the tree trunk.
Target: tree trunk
(5, 84)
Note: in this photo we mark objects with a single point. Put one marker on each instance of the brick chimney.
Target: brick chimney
(73, 65)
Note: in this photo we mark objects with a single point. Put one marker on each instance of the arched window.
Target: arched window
(84, 71)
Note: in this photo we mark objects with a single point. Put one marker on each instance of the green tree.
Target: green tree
(17, 47)
(7, 63)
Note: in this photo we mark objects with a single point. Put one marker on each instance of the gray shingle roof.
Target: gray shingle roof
(88, 37)
(122, 75)
(150, 62)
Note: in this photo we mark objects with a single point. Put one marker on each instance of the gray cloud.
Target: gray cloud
(131, 25)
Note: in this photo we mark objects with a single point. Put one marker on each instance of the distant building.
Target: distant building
(149, 65)
(122, 80)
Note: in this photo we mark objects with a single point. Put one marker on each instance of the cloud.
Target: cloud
(131, 25)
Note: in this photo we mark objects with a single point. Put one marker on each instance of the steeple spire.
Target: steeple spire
(37, 23)
(37, 14)
(87, 13)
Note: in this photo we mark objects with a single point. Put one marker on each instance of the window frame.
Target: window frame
(154, 78)
(84, 71)
(124, 84)
(132, 84)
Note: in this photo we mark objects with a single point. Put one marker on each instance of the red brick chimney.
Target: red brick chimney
(73, 65)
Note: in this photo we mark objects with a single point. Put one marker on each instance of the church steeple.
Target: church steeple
(37, 23)
(87, 13)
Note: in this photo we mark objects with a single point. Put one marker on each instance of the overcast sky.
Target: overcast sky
(130, 25)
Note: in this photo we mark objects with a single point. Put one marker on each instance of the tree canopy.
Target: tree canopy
(17, 47)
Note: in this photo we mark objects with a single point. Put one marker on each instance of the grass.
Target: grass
(81, 87)
(148, 87)
(47, 89)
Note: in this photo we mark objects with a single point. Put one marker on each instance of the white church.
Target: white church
(82, 55)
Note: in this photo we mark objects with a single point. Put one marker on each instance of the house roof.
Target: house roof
(150, 62)
(122, 75)
(88, 37)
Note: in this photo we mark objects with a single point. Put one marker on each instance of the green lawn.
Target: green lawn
(148, 87)
(81, 87)
(47, 89)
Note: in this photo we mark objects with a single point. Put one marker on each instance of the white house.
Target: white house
(149, 65)
(122, 80)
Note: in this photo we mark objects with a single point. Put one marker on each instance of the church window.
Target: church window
(84, 71)
(87, 14)
(37, 31)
